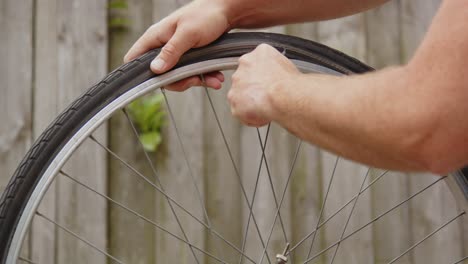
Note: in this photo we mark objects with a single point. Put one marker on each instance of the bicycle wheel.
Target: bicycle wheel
(54, 147)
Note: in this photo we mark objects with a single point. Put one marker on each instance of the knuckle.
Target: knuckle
(151, 28)
(154, 30)
(235, 77)
(243, 59)
(234, 112)
(264, 47)
(246, 60)
(190, 33)
(230, 96)
(170, 50)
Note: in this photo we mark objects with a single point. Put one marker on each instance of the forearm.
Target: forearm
(410, 117)
(373, 118)
(262, 13)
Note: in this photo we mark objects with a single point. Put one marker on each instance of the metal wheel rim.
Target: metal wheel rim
(150, 85)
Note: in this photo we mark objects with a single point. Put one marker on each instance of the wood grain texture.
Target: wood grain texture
(348, 35)
(16, 49)
(46, 107)
(279, 155)
(306, 185)
(391, 233)
(433, 207)
(81, 60)
(65, 49)
(182, 179)
(16, 91)
(416, 17)
(130, 239)
(383, 35)
(188, 115)
(223, 193)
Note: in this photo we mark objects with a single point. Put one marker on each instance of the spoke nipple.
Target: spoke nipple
(281, 258)
(284, 51)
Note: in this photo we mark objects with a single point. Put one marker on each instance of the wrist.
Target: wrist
(225, 8)
(276, 107)
(239, 13)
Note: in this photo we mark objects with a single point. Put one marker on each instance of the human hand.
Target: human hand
(194, 25)
(253, 84)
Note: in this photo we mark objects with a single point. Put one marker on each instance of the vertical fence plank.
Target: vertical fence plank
(223, 194)
(82, 60)
(383, 35)
(131, 239)
(306, 201)
(432, 208)
(46, 107)
(177, 178)
(280, 151)
(70, 54)
(250, 161)
(304, 30)
(189, 114)
(16, 51)
(391, 233)
(279, 156)
(347, 35)
(306, 185)
(415, 19)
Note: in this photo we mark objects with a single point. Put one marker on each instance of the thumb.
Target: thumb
(171, 52)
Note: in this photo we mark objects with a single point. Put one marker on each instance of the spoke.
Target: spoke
(79, 238)
(135, 132)
(426, 237)
(296, 154)
(113, 154)
(374, 220)
(139, 174)
(244, 241)
(349, 216)
(263, 146)
(239, 179)
(184, 152)
(461, 260)
(322, 209)
(137, 136)
(140, 216)
(27, 260)
(336, 212)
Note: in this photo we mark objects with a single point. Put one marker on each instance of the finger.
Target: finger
(184, 84)
(213, 82)
(218, 75)
(263, 47)
(181, 41)
(154, 37)
(210, 81)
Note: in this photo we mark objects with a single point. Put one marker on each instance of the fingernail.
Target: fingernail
(125, 58)
(157, 64)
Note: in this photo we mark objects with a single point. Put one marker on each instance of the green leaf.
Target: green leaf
(119, 23)
(149, 116)
(151, 141)
(118, 4)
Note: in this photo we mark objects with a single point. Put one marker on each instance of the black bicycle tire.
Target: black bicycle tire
(45, 148)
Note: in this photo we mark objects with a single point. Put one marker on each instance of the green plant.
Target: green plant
(148, 114)
(118, 20)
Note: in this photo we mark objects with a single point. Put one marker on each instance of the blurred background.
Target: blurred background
(54, 50)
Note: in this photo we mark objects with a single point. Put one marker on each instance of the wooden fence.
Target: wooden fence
(53, 50)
